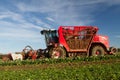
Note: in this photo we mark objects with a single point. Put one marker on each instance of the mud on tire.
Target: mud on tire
(58, 52)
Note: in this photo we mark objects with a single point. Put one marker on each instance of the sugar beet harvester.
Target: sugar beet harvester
(71, 41)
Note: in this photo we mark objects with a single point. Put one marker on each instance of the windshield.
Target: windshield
(50, 36)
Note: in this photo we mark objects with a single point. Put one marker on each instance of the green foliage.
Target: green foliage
(55, 61)
(79, 68)
(87, 72)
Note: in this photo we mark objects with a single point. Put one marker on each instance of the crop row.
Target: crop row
(54, 61)
(87, 72)
(79, 68)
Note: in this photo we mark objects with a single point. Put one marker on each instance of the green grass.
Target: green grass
(55, 61)
(86, 72)
(89, 68)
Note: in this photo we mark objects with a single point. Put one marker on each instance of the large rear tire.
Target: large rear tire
(58, 52)
(97, 50)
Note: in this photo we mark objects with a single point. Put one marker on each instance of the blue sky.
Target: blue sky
(22, 20)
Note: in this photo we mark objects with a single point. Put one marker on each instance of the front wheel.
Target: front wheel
(97, 50)
(58, 52)
(113, 50)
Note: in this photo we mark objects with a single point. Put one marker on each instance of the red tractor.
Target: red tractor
(72, 41)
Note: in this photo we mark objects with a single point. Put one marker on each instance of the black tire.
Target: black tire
(97, 50)
(113, 50)
(56, 53)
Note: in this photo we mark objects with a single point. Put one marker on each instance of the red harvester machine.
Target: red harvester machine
(71, 41)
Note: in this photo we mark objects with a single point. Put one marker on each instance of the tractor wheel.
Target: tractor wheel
(113, 50)
(97, 50)
(58, 52)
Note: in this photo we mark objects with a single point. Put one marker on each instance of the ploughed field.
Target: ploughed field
(79, 68)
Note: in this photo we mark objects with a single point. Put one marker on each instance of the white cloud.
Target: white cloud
(64, 13)
(18, 30)
(19, 18)
(11, 15)
(67, 12)
(40, 22)
(50, 19)
(14, 37)
(4, 16)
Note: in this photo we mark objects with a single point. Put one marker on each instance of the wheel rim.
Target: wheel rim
(56, 54)
(98, 52)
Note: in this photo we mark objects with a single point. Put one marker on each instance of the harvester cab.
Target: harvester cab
(51, 36)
